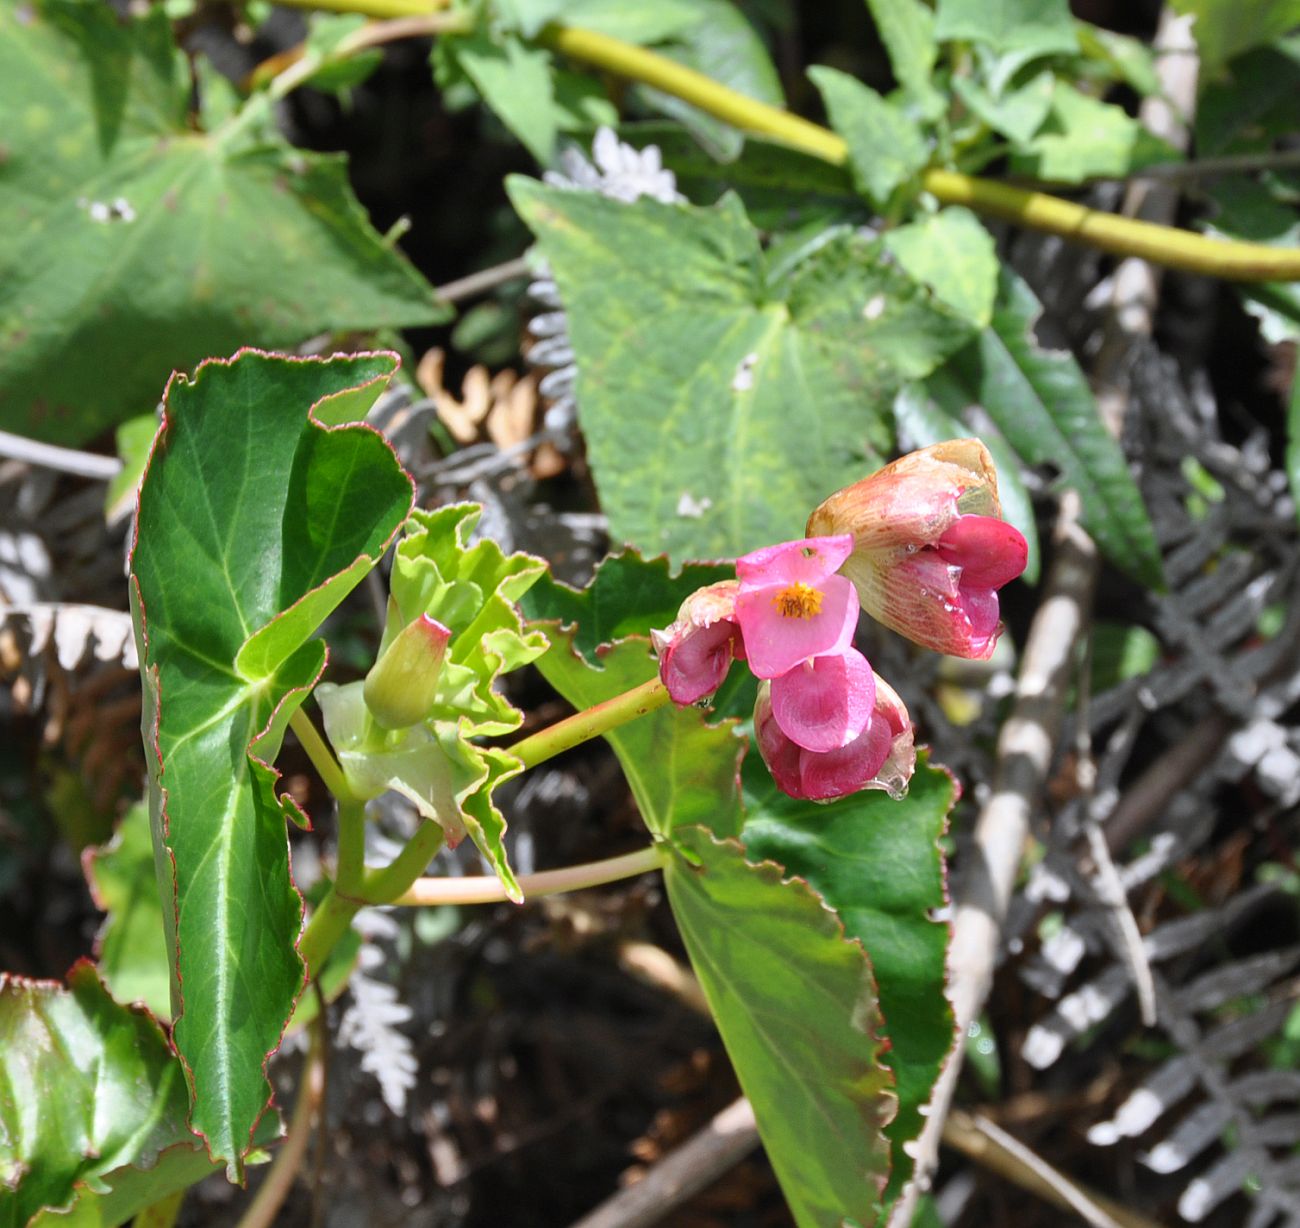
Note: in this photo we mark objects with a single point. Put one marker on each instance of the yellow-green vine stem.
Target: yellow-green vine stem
(1163, 245)
(490, 890)
(590, 723)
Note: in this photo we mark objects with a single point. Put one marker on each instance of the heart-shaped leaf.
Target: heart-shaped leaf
(254, 521)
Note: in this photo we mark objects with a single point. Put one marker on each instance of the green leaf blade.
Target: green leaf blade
(795, 1003)
(226, 498)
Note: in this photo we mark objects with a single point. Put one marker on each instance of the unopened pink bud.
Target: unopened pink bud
(402, 686)
(696, 651)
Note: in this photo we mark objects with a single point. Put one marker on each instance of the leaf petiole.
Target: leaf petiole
(321, 757)
(489, 889)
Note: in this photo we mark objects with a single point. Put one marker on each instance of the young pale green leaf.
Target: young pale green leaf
(86, 1087)
(876, 861)
(886, 148)
(1225, 28)
(1041, 402)
(135, 245)
(723, 45)
(254, 522)
(1016, 114)
(906, 27)
(753, 401)
(514, 79)
(922, 423)
(952, 253)
(796, 1004)
(1032, 27)
(132, 952)
(1084, 137)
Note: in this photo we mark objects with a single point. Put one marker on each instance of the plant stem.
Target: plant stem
(385, 885)
(330, 920)
(279, 1180)
(373, 8)
(489, 890)
(591, 723)
(1164, 245)
(350, 873)
(321, 758)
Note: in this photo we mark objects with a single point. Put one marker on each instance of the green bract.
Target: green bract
(472, 590)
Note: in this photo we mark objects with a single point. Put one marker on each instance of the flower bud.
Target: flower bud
(696, 651)
(402, 686)
(929, 547)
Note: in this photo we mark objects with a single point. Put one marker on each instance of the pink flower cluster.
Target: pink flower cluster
(922, 547)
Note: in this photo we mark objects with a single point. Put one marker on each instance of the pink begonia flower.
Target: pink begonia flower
(826, 702)
(792, 606)
(882, 756)
(930, 549)
(696, 651)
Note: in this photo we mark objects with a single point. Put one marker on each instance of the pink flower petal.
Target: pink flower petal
(808, 561)
(825, 703)
(694, 664)
(848, 769)
(989, 551)
(779, 753)
(778, 636)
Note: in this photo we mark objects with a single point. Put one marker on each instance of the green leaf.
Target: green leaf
(472, 590)
(135, 245)
(254, 522)
(921, 421)
(1041, 402)
(1016, 114)
(1121, 57)
(628, 596)
(1038, 27)
(876, 861)
(720, 409)
(952, 253)
(796, 1005)
(1252, 104)
(86, 1087)
(134, 438)
(132, 949)
(906, 27)
(722, 45)
(1225, 28)
(1293, 441)
(1083, 138)
(514, 79)
(886, 148)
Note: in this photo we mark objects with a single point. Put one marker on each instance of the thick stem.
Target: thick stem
(321, 758)
(485, 890)
(329, 922)
(384, 886)
(350, 872)
(590, 723)
(1164, 245)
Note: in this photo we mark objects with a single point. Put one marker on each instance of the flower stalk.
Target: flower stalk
(590, 723)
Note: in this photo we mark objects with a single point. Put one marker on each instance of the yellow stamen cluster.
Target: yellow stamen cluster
(798, 600)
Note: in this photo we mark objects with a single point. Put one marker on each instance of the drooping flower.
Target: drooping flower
(696, 651)
(791, 605)
(826, 702)
(930, 549)
(882, 756)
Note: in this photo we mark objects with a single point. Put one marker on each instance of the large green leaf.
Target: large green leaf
(796, 1005)
(1041, 402)
(255, 520)
(86, 1087)
(1226, 28)
(952, 253)
(876, 861)
(132, 948)
(906, 27)
(722, 403)
(135, 245)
